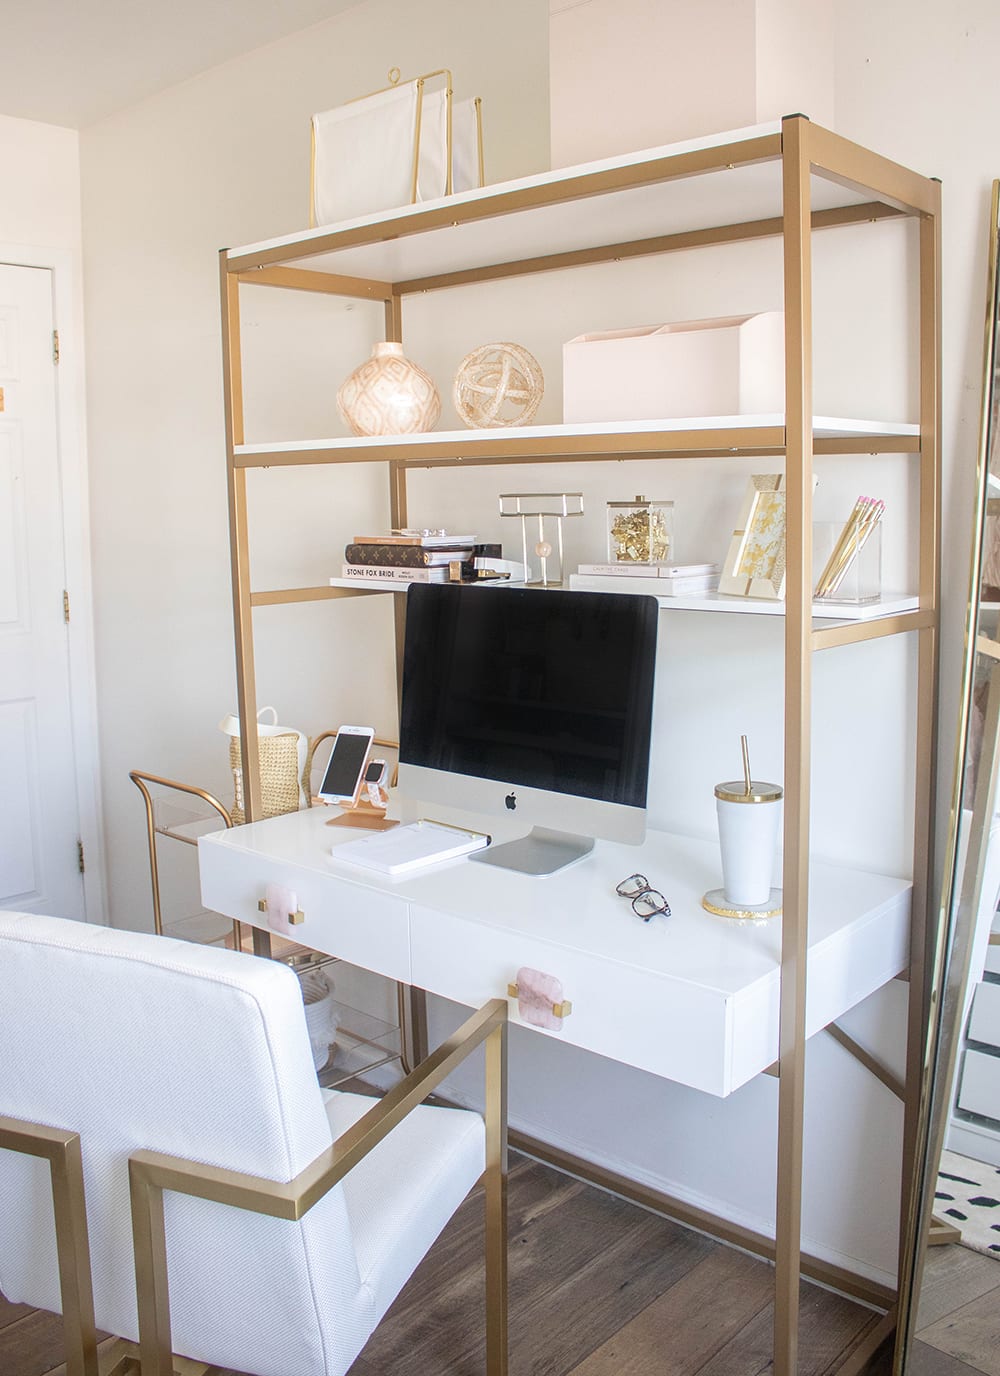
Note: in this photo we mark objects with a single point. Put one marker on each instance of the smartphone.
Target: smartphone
(347, 764)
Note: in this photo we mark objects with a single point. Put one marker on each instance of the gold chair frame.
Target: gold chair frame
(62, 1151)
(150, 1173)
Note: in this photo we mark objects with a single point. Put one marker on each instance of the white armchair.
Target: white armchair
(287, 1217)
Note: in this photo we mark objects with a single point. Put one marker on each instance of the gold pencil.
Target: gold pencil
(863, 519)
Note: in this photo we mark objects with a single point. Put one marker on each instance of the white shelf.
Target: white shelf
(640, 195)
(361, 1044)
(203, 927)
(183, 823)
(697, 432)
(765, 189)
(889, 605)
(378, 584)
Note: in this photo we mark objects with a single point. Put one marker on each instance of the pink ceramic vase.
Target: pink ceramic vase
(388, 395)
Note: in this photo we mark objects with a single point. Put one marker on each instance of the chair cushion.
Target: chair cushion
(404, 1192)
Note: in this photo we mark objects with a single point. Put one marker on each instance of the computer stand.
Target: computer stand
(540, 852)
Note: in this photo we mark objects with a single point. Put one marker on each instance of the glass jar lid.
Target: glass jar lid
(640, 501)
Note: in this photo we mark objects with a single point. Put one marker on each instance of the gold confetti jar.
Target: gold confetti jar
(640, 532)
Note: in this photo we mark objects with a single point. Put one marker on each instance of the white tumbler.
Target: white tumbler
(748, 836)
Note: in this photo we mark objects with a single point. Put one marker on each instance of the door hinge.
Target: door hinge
(66, 606)
(55, 346)
(79, 857)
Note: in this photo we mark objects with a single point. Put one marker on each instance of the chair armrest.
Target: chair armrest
(294, 1198)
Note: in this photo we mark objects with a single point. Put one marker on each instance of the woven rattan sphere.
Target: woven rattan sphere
(498, 384)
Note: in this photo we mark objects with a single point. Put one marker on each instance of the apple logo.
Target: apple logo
(510, 802)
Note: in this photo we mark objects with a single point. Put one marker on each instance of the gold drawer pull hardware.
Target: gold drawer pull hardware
(559, 1010)
(294, 918)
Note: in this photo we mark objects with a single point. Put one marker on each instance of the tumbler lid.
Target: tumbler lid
(736, 792)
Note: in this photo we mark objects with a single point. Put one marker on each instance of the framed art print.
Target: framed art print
(755, 563)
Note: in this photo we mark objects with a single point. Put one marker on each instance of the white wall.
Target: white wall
(221, 161)
(919, 87)
(793, 43)
(41, 171)
(686, 77)
(636, 73)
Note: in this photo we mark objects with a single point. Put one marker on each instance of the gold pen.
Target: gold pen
(464, 831)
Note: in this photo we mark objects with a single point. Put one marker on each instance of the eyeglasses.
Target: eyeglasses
(646, 901)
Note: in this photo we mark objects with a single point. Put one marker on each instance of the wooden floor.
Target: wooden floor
(599, 1287)
(958, 1320)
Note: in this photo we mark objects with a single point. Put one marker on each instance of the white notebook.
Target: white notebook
(410, 847)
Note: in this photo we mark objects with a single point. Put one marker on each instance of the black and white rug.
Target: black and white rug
(968, 1195)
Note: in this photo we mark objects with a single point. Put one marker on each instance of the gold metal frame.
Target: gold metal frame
(804, 151)
(142, 782)
(947, 970)
(62, 1151)
(150, 1173)
(418, 82)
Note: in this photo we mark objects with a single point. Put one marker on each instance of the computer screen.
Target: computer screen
(531, 701)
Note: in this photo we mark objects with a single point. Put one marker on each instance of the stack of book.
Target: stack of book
(663, 580)
(406, 558)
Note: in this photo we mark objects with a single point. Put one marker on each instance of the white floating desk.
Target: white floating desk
(693, 998)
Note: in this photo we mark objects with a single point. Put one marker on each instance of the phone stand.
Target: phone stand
(362, 814)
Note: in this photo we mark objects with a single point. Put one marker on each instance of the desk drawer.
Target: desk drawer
(984, 1025)
(629, 1014)
(979, 1091)
(358, 924)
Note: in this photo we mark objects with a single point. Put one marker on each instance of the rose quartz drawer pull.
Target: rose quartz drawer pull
(540, 999)
(283, 912)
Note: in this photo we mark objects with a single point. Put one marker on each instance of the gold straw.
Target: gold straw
(746, 765)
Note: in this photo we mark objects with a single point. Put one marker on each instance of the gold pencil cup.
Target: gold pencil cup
(846, 571)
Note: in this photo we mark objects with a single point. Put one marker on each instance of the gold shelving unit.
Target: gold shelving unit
(788, 182)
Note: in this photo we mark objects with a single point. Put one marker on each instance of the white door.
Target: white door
(39, 824)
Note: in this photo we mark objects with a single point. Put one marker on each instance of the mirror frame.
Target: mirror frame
(948, 968)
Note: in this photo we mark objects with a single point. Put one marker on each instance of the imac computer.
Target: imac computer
(534, 704)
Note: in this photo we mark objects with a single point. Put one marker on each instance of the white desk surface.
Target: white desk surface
(693, 997)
